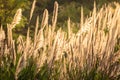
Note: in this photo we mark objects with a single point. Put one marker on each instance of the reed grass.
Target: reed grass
(32, 9)
(88, 54)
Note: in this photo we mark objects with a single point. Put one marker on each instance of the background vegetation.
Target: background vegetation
(68, 8)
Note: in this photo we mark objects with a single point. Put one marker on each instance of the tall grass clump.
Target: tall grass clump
(89, 54)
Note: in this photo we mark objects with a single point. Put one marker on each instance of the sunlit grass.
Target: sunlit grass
(90, 53)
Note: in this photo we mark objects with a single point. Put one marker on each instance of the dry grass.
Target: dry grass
(92, 45)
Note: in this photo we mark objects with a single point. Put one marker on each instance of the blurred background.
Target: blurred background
(67, 8)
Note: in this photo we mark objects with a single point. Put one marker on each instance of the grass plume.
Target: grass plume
(88, 54)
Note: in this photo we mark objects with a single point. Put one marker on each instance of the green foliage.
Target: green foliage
(46, 73)
(28, 73)
(117, 47)
(72, 10)
(8, 9)
(8, 70)
(43, 74)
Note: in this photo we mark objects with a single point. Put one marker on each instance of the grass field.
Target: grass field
(92, 53)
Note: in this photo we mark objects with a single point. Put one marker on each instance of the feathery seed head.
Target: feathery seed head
(17, 18)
